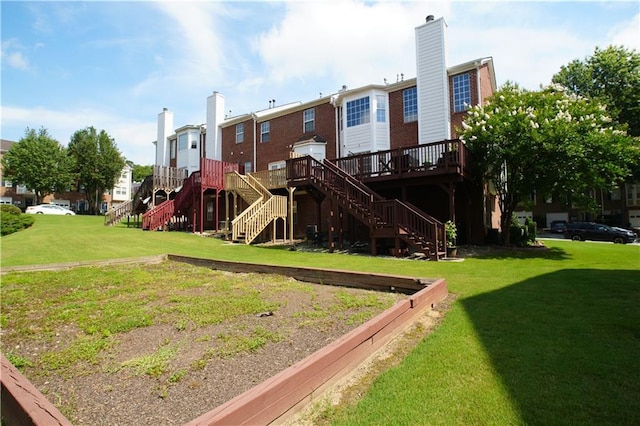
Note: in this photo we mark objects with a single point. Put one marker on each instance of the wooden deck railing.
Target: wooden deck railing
(449, 156)
(213, 172)
(272, 179)
(168, 178)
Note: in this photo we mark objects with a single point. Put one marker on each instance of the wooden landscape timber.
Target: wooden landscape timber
(288, 392)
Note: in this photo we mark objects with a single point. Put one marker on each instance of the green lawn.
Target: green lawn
(543, 337)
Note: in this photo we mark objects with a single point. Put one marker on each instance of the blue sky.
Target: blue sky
(115, 65)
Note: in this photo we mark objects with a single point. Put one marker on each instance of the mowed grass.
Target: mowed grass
(537, 337)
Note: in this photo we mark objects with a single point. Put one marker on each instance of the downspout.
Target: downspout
(334, 102)
(477, 64)
(337, 132)
(254, 166)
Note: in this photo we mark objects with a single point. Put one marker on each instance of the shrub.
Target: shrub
(451, 232)
(10, 208)
(12, 220)
(521, 235)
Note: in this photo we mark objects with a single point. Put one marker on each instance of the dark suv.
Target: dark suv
(580, 231)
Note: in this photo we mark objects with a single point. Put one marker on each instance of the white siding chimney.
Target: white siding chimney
(165, 126)
(432, 82)
(215, 117)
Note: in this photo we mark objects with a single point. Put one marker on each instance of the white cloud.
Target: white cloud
(133, 138)
(358, 43)
(627, 33)
(192, 54)
(528, 56)
(13, 56)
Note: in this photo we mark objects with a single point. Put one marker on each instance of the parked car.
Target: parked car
(558, 226)
(49, 209)
(580, 231)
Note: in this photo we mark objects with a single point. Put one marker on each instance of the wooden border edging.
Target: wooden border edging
(68, 265)
(22, 402)
(282, 395)
(381, 282)
(286, 393)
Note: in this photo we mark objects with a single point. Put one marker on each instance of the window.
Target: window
(277, 165)
(182, 142)
(247, 167)
(210, 211)
(194, 143)
(381, 108)
(264, 132)
(358, 112)
(309, 120)
(240, 133)
(410, 99)
(172, 144)
(461, 92)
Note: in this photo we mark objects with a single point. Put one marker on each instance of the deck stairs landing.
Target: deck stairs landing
(264, 207)
(385, 218)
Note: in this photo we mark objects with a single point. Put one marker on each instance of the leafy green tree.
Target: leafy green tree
(140, 172)
(612, 76)
(97, 162)
(548, 141)
(38, 162)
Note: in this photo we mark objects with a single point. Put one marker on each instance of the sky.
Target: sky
(69, 65)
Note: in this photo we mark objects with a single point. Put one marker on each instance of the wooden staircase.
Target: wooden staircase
(385, 218)
(132, 207)
(185, 209)
(264, 207)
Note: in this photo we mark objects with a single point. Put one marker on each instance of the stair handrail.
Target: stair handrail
(116, 213)
(144, 190)
(234, 181)
(239, 223)
(158, 216)
(273, 208)
(184, 197)
(257, 185)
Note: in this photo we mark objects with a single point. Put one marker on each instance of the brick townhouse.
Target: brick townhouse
(398, 139)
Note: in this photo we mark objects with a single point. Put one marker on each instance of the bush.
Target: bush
(521, 235)
(10, 208)
(12, 220)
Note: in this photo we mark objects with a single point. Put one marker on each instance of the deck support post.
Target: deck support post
(291, 190)
(331, 228)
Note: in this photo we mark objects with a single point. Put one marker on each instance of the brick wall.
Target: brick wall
(402, 134)
(238, 152)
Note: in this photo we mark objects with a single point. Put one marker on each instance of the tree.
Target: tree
(612, 76)
(97, 162)
(548, 141)
(38, 162)
(140, 172)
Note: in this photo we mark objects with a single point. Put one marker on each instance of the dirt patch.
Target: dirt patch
(172, 370)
